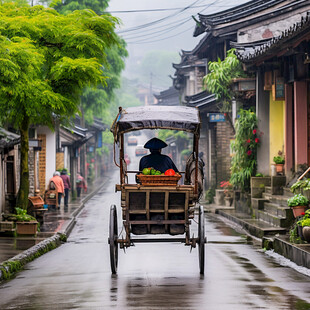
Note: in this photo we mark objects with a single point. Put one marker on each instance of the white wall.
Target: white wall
(269, 28)
(50, 151)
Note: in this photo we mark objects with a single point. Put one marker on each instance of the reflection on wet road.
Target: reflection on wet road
(77, 275)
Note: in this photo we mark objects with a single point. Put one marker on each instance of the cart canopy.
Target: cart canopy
(156, 117)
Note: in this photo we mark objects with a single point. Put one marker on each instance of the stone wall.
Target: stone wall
(31, 163)
(42, 163)
(60, 160)
(224, 134)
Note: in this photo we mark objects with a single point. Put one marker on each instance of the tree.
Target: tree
(100, 101)
(46, 60)
(218, 80)
(68, 6)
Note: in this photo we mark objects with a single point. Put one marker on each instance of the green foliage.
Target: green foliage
(297, 200)
(279, 160)
(46, 60)
(22, 216)
(259, 175)
(185, 153)
(244, 161)
(301, 185)
(294, 238)
(209, 196)
(100, 101)
(66, 7)
(218, 80)
(305, 220)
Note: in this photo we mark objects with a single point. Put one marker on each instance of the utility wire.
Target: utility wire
(158, 31)
(157, 21)
(152, 10)
(153, 41)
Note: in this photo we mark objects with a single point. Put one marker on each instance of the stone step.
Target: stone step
(258, 203)
(274, 220)
(255, 227)
(268, 190)
(287, 192)
(279, 199)
(277, 210)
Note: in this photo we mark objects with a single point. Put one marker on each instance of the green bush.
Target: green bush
(278, 160)
(298, 200)
(210, 193)
(244, 160)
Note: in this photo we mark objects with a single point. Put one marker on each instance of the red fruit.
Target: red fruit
(170, 172)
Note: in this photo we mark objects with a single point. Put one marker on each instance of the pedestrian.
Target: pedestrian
(59, 184)
(67, 186)
(80, 183)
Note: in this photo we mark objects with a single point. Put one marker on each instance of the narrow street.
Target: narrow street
(238, 275)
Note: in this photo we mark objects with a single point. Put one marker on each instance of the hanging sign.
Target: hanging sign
(216, 117)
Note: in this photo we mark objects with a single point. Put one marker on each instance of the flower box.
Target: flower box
(7, 226)
(26, 228)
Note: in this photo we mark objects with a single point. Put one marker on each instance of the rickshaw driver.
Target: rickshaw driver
(156, 160)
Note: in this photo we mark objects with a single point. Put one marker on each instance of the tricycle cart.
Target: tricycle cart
(158, 204)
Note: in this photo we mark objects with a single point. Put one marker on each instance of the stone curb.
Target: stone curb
(292, 252)
(13, 265)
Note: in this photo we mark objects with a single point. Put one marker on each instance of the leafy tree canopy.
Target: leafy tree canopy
(99, 101)
(68, 6)
(46, 60)
(218, 80)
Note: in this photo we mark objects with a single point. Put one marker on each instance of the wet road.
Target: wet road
(77, 275)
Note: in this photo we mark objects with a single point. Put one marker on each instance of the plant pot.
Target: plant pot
(298, 210)
(26, 228)
(306, 233)
(279, 168)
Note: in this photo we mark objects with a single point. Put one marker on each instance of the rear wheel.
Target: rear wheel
(113, 235)
(201, 240)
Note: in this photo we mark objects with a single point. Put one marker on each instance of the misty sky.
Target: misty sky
(174, 33)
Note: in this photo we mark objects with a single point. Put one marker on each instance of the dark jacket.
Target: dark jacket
(157, 161)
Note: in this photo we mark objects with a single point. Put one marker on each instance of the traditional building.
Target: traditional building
(282, 68)
(245, 24)
(170, 96)
(9, 172)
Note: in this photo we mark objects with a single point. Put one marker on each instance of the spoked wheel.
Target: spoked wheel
(113, 235)
(201, 240)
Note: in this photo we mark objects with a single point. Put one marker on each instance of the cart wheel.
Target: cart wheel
(201, 241)
(113, 235)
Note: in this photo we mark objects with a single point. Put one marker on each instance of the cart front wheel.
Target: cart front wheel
(202, 240)
(113, 235)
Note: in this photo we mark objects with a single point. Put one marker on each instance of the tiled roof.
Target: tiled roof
(246, 14)
(250, 51)
(8, 138)
(201, 100)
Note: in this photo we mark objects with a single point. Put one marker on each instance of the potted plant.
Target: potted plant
(25, 223)
(228, 192)
(298, 203)
(304, 222)
(279, 162)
